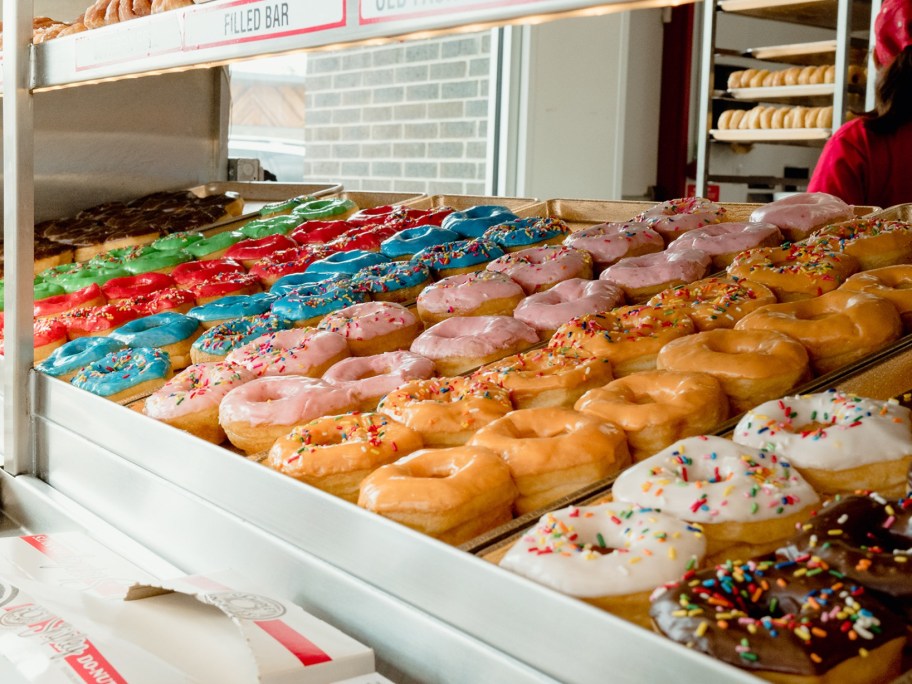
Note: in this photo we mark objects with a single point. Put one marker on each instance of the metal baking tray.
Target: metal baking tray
(899, 212)
(790, 136)
(816, 53)
(816, 94)
(821, 13)
(463, 202)
(370, 199)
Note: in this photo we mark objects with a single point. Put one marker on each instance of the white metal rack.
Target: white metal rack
(432, 612)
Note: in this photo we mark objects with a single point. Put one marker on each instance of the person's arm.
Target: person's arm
(842, 168)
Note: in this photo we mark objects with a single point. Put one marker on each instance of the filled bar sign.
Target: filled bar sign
(244, 21)
(390, 10)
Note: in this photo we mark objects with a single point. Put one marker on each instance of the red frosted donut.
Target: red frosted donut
(376, 215)
(296, 260)
(169, 299)
(48, 335)
(367, 240)
(131, 286)
(248, 252)
(88, 296)
(98, 320)
(195, 272)
(223, 284)
(319, 232)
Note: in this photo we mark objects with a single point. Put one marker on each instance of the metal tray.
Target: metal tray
(821, 13)
(817, 94)
(789, 136)
(900, 212)
(370, 199)
(463, 202)
(807, 54)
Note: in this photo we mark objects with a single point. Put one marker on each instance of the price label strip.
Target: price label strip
(373, 11)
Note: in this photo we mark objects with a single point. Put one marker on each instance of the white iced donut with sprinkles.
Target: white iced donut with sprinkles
(840, 442)
(747, 500)
(610, 555)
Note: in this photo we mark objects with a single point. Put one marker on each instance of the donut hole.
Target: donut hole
(813, 426)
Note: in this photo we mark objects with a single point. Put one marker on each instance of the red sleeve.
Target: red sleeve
(842, 167)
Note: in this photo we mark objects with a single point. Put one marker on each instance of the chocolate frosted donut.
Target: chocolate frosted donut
(866, 538)
(783, 618)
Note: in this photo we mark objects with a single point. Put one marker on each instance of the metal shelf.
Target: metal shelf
(808, 54)
(823, 13)
(779, 136)
(817, 94)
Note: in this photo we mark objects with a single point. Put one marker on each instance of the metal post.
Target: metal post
(705, 96)
(843, 54)
(18, 234)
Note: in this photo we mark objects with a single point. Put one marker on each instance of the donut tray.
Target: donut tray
(900, 212)
(463, 202)
(791, 136)
(806, 54)
(371, 199)
(815, 94)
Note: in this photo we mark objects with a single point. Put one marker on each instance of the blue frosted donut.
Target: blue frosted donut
(223, 338)
(76, 354)
(390, 277)
(123, 370)
(308, 283)
(348, 262)
(473, 222)
(302, 307)
(526, 232)
(158, 330)
(233, 306)
(460, 254)
(410, 241)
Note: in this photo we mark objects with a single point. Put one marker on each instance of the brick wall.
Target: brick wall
(411, 116)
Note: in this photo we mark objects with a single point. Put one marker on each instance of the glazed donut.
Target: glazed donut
(794, 272)
(257, 413)
(214, 246)
(452, 494)
(670, 219)
(370, 378)
(778, 118)
(541, 378)
(644, 276)
(406, 243)
(119, 289)
(804, 76)
(336, 208)
(830, 74)
(125, 375)
(172, 333)
(230, 308)
(791, 75)
(841, 443)
(746, 77)
(759, 78)
(399, 282)
(217, 342)
(373, 327)
(865, 539)
(537, 269)
(456, 258)
(610, 555)
(459, 344)
(873, 242)
(629, 337)
(801, 214)
(825, 118)
(748, 501)
(893, 283)
(552, 452)
(474, 221)
(795, 117)
(337, 452)
(248, 252)
(723, 241)
(657, 408)
(547, 311)
(783, 622)
(608, 243)
(483, 293)
(520, 234)
(88, 297)
(446, 411)
(836, 328)
(724, 122)
(715, 302)
(96, 320)
(750, 365)
(305, 310)
(299, 351)
(734, 79)
(189, 401)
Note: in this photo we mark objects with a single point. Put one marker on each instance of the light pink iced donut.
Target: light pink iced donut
(373, 327)
(801, 214)
(257, 413)
(725, 240)
(670, 219)
(299, 351)
(462, 343)
(547, 311)
(538, 268)
(370, 378)
(469, 294)
(609, 242)
(643, 276)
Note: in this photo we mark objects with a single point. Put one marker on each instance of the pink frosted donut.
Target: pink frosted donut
(723, 241)
(547, 311)
(373, 327)
(257, 413)
(483, 293)
(801, 214)
(299, 351)
(643, 276)
(462, 343)
(607, 243)
(370, 378)
(190, 400)
(538, 268)
(670, 219)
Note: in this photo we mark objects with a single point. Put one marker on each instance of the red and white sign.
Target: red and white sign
(372, 11)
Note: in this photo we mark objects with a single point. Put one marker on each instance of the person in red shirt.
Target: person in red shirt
(869, 159)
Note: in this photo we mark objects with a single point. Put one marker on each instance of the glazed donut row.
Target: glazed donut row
(107, 12)
(766, 117)
(792, 76)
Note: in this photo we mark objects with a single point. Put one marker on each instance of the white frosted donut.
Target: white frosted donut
(369, 378)
(833, 437)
